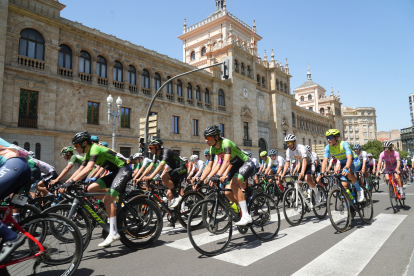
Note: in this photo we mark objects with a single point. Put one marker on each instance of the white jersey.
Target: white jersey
(146, 162)
(316, 158)
(199, 165)
(363, 156)
(299, 153)
(256, 163)
(372, 162)
(279, 161)
(44, 167)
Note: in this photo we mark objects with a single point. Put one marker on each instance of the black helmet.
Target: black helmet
(212, 131)
(155, 142)
(80, 137)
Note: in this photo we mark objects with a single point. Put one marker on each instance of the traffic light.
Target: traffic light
(227, 68)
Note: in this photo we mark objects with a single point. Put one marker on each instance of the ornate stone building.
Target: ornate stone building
(360, 124)
(56, 74)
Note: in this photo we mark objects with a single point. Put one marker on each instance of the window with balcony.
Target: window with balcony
(31, 44)
(101, 67)
(85, 62)
(132, 75)
(221, 98)
(38, 149)
(28, 109)
(309, 97)
(65, 57)
(145, 79)
(157, 81)
(198, 93)
(189, 91)
(117, 71)
(192, 57)
(246, 130)
(169, 87)
(203, 51)
(207, 96)
(179, 88)
(27, 146)
(125, 151)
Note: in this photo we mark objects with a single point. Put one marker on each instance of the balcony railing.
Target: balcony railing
(65, 72)
(146, 91)
(247, 143)
(170, 97)
(190, 101)
(27, 121)
(118, 84)
(85, 77)
(199, 104)
(102, 81)
(208, 106)
(133, 89)
(222, 108)
(31, 62)
(237, 70)
(180, 99)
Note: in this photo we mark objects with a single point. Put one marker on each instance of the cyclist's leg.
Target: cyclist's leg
(242, 173)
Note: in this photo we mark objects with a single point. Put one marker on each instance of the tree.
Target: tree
(403, 153)
(374, 147)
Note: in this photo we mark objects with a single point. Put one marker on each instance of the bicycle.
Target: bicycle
(49, 236)
(393, 192)
(342, 208)
(137, 219)
(276, 192)
(373, 182)
(217, 216)
(296, 199)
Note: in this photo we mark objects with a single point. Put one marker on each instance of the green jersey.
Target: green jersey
(237, 157)
(76, 160)
(409, 162)
(137, 166)
(104, 157)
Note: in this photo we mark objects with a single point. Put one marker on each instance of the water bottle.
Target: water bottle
(235, 207)
(350, 194)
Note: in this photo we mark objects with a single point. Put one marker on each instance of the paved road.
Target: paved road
(313, 248)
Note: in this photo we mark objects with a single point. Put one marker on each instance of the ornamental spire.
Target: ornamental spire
(309, 73)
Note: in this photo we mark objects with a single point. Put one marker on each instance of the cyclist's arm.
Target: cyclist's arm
(379, 163)
(267, 170)
(148, 170)
(157, 170)
(95, 172)
(324, 164)
(86, 170)
(226, 163)
(139, 172)
(164, 171)
(192, 171)
(364, 164)
(76, 173)
(200, 170)
(100, 173)
(208, 169)
(286, 168)
(304, 165)
(64, 172)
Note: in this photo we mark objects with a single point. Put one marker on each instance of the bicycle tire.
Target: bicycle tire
(190, 199)
(320, 208)
(273, 192)
(49, 261)
(262, 214)
(136, 236)
(339, 210)
(293, 209)
(208, 231)
(366, 208)
(81, 219)
(393, 197)
(26, 211)
(42, 203)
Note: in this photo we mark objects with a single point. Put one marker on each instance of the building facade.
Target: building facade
(360, 124)
(407, 139)
(410, 102)
(56, 74)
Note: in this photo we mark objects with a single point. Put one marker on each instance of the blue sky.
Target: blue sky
(361, 48)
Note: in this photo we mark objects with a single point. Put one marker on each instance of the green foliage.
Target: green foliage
(374, 147)
(403, 153)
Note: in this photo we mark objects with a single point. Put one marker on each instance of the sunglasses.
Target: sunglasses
(208, 138)
(76, 145)
(151, 147)
(330, 138)
(289, 143)
(385, 148)
(207, 155)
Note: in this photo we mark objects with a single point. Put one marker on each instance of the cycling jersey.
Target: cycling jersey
(8, 151)
(44, 167)
(219, 162)
(279, 161)
(256, 163)
(340, 151)
(372, 162)
(237, 157)
(390, 160)
(316, 158)
(137, 166)
(409, 163)
(363, 156)
(104, 157)
(266, 161)
(168, 157)
(301, 152)
(76, 160)
(199, 165)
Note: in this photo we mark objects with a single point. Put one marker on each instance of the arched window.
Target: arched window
(132, 79)
(322, 110)
(15, 143)
(145, 79)
(189, 91)
(258, 79)
(329, 108)
(101, 67)
(157, 81)
(179, 88)
(302, 98)
(242, 67)
(221, 98)
(85, 62)
(277, 84)
(192, 55)
(65, 57)
(32, 44)
(262, 145)
(198, 93)
(248, 70)
(285, 88)
(203, 51)
(281, 86)
(117, 72)
(27, 146)
(236, 64)
(207, 96)
(309, 97)
(37, 151)
(293, 118)
(169, 87)
(263, 81)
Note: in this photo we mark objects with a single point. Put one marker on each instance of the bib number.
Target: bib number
(19, 200)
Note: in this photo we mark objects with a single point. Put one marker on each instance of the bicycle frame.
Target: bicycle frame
(7, 217)
(394, 183)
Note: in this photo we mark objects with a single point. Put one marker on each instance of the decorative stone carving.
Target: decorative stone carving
(246, 112)
(245, 91)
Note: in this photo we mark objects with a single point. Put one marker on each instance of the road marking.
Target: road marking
(407, 194)
(354, 252)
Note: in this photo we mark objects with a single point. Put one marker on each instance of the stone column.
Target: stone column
(3, 30)
(93, 70)
(51, 58)
(75, 65)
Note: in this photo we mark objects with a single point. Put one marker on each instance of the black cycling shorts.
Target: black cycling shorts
(318, 169)
(242, 172)
(178, 175)
(117, 181)
(310, 169)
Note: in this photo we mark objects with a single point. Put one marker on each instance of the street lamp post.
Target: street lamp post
(115, 114)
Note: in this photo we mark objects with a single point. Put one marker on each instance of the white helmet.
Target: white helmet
(184, 158)
(290, 138)
(293, 161)
(194, 157)
(32, 154)
(308, 148)
(137, 155)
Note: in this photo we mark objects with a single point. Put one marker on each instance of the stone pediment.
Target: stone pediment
(246, 112)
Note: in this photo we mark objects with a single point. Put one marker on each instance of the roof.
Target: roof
(308, 83)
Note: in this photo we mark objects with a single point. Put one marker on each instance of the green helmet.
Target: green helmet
(66, 150)
(333, 132)
(263, 153)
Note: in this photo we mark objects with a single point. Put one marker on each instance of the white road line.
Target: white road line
(407, 194)
(354, 252)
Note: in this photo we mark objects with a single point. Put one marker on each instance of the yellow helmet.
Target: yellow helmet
(263, 153)
(332, 132)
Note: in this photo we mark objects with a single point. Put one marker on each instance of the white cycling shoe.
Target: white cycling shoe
(244, 221)
(109, 240)
(361, 196)
(175, 201)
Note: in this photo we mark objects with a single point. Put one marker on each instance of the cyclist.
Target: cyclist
(113, 184)
(300, 152)
(105, 144)
(409, 165)
(197, 164)
(136, 162)
(257, 168)
(236, 168)
(95, 139)
(75, 160)
(207, 155)
(145, 163)
(372, 163)
(265, 160)
(348, 160)
(317, 162)
(363, 159)
(276, 163)
(333, 164)
(392, 162)
(48, 174)
(173, 178)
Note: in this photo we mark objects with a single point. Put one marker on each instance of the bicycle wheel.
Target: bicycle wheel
(60, 258)
(293, 207)
(42, 203)
(80, 218)
(27, 211)
(184, 208)
(139, 223)
(273, 192)
(366, 208)
(319, 202)
(376, 185)
(393, 197)
(215, 234)
(265, 215)
(339, 210)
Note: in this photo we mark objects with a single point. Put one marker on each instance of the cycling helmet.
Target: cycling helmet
(194, 157)
(207, 152)
(333, 132)
(249, 154)
(156, 142)
(184, 158)
(308, 148)
(357, 147)
(137, 155)
(263, 153)
(131, 157)
(293, 161)
(66, 150)
(95, 139)
(212, 131)
(272, 152)
(370, 155)
(32, 154)
(290, 138)
(80, 137)
(105, 144)
(387, 144)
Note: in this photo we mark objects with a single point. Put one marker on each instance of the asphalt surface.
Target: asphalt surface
(384, 247)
